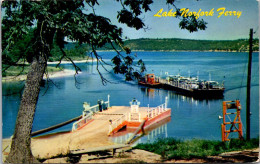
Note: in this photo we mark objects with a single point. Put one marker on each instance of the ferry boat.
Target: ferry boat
(192, 86)
(150, 80)
(188, 86)
(116, 118)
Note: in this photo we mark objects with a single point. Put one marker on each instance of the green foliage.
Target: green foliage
(18, 53)
(192, 24)
(240, 45)
(41, 26)
(35, 28)
(73, 51)
(235, 144)
(170, 148)
(18, 70)
(130, 18)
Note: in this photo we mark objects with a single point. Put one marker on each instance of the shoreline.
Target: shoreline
(67, 72)
(179, 51)
(62, 73)
(69, 62)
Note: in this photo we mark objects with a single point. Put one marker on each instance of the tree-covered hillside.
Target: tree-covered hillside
(240, 45)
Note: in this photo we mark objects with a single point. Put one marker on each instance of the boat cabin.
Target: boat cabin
(213, 84)
(150, 78)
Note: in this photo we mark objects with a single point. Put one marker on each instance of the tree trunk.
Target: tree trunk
(21, 141)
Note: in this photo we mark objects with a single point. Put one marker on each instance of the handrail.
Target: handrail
(82, 121)
(114, 124)
(153, 112)
(94, 109)
(87, 114)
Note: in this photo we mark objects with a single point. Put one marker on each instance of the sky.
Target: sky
(218, 28)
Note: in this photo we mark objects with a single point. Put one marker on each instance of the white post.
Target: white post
(108, 105)
(166, 134)
(110, 128)
(148, 111)
(166, 102)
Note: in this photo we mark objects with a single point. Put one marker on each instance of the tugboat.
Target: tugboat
(150, 80)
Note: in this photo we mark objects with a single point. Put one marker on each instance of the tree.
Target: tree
(49, 22)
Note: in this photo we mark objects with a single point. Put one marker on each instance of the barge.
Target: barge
(193, 86)
(188, 86)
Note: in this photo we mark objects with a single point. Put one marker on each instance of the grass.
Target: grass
(15, 70)
(171, 148)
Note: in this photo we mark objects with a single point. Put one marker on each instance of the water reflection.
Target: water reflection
(152, 93)
(158, 130)
(149, 92)
(13, 88)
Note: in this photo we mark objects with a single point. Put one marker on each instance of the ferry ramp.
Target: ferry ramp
(92, 135)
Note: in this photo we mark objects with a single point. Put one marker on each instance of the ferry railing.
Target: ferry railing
(153, 112)
(88, 113)
(115, 123)
(93, 109)
(82, 121)
(96, 108)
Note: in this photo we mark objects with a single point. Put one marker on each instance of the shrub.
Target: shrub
(170, 148)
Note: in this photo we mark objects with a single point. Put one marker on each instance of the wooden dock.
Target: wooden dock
(111, 148)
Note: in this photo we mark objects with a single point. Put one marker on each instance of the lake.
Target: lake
(191, 118)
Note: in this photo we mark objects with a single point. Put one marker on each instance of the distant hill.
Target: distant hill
(240, 45)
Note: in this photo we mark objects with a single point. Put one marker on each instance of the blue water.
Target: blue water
(191, 118)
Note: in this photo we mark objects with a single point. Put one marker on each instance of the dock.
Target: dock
(98, 123)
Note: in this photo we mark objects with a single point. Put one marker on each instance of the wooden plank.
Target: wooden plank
(97, 149)
(55, 126)
(137, 130)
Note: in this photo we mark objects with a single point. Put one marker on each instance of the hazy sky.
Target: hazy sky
(222, 28)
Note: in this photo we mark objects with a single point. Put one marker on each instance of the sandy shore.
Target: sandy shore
(69, 62)
(62, 73)
(41, 146)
